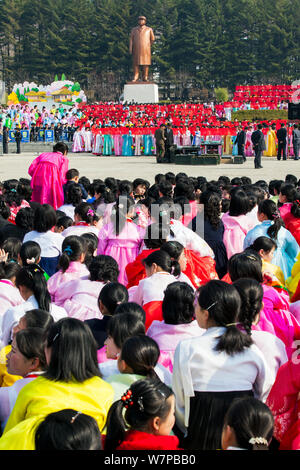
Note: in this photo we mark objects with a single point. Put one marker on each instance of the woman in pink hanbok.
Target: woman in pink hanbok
(48, 172)
(275, 316)
(178, 322)
(71, 266)
(237, 222)
(9, 294)
(78, 143)
(121, 238)
(248, 143)
(79, 297)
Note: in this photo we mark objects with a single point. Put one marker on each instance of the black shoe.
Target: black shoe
(260, 166)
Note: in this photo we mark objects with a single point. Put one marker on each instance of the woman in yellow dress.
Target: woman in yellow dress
(271, 150)
(72, 380)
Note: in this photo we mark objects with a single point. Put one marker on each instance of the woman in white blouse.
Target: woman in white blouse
(214, 368)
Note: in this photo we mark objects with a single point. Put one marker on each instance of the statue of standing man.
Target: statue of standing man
(141, 40)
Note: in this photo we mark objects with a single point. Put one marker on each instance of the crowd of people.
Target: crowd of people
(140, 315)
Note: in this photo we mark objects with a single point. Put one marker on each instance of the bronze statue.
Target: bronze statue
(141, 40)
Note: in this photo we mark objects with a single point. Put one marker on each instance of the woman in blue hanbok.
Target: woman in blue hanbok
(108, 144)
(127, 145)
(148, 144)
(234, 146)
(271, 225)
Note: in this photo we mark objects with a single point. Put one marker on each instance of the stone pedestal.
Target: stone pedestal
(141, 92)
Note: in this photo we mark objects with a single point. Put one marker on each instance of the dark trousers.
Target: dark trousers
(281, 150)
(5, 147)
(257, 158)
(18, 142)
(160, 151)
(241, 151)
(296, 147)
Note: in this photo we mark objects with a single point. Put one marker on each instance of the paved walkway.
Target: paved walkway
(16, 166)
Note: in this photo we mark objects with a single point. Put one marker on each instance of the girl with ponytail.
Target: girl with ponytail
(137, 360)
(32, 285)
(148, 419)
(121, 238)
(161, 270)
(248, 425)
(271, 225)
(216, 367)
(273, 348)
(71, 266)
(85, 221)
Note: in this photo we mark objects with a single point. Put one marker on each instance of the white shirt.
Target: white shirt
(50, 242)
(68, 209)
(13, 315)
(198, 367)
(189, 239)
(151, 288)
(9, 395)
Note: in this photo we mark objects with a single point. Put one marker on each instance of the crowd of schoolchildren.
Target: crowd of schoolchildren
(144, 315)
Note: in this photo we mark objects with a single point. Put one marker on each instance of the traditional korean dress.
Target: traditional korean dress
(76, 270)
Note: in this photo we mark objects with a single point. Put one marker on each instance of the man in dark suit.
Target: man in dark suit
(18, 138)
(169, 141)
(259, 145)
(281, 136)
(160, 140)
(240, 141)
(5, 139)
(296, 141)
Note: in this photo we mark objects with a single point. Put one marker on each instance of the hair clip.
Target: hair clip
(55, 337)
(68, 250)
(30, 261)
(232, 324)
(91, 212)
(212, 305)
(127, 399)
(75, 416)
(141, 404)
(258, 440)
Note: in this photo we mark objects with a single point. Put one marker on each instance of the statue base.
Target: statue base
(141, 92)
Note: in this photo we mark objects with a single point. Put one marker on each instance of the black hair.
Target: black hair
(269, 209)
(64, 221)
(239, 204)
(104, 268)
(289, 191)
(132, 308)
(24, 219)
(73, 351)
(174, 249)
(91, 243)
(61, 147)
(4, 209)
(38, 318)
(251, 293)
(170, 176)
(275, 185)
(44, 218)
(119, 212)
(212, 208)
(164, 261)
(184, 188)
(263, 243)
(158, 178)
(24, 189)
(125, 187)
(155, 235)
(178, 303)
(30, 343)
(72, 249)
(68, 430)
(141, 354)
(122, 326)
(12, 247)
(74, 194)
(236, 181)
(112, 295)
(291, 179)
(250, 419)
(9, 270)
(85, 212)
(223, 303)
(295, 209)
(246, 264)
(30, 253)
(149, 400)
(166, 188)
(72, 173)
(85, 182)
(32, 277)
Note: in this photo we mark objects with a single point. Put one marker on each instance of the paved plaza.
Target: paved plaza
(16, 166)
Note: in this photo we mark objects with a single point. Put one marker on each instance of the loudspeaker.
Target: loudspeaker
(294, 111)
